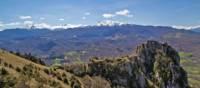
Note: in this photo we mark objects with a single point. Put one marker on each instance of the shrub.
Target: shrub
(18, 69)
(18, 54)
(10, 66)
(11, 52)
(28, 70)
(59, 78)
(46, 71)
(54, 83)
(75, 83)
(24, 68)
(65, 80)
(3, 71)
(30, 57)
(10, 81)
(7, 82)
(63, 75)
(76, 86)
(5, 64)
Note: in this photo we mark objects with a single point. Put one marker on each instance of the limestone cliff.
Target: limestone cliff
(152, 65)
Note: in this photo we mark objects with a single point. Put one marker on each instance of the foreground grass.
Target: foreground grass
(18, 72)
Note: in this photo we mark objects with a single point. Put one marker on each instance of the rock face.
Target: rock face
(152, 65)
(161, 64)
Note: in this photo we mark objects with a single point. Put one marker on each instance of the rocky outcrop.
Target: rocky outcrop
(161, 64)
(152, 65)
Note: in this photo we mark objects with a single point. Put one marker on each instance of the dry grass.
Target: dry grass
(16, 61)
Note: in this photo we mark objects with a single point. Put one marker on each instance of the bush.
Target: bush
(18, 54)
(25, 68)
(5, 64)
(8, 82)
(11, 52)
(18, 69)
(28, 70)
(59, 78)
(10, 66)
(46, 71)
(75, 83)
(3, 71)
(54, 83)
(30, 57)
(66, 81)
(64, 75)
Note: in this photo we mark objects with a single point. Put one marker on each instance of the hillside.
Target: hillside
(24, 73)
(151, 65)
(18, 72)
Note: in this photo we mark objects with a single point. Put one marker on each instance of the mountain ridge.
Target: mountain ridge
(94, 40)
(196, 30)
(152, 65)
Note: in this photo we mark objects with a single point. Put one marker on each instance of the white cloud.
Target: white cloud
(87, 13)
(109, 23)
(42, 25)
(66, 26)
(9, 24)
(13, 24)
(83, 18)
(124, 12)
(25, 17)
(1, 24)
(186, 27)
(52, 27)
(28, 23)
(61, 19)
(108, 15)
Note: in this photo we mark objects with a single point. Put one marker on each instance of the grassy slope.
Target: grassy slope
(16, 61)
(62, 78)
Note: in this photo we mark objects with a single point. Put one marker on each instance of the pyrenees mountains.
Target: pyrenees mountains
(102, 41)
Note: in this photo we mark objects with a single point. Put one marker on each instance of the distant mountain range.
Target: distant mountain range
(84, 42)
(196, 30)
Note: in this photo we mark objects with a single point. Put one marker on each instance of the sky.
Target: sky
(55, 13)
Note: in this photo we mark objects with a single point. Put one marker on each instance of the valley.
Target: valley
(78, 45)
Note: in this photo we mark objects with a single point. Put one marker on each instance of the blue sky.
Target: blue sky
(17, 13)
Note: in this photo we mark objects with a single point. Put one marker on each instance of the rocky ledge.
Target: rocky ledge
(152, 65)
